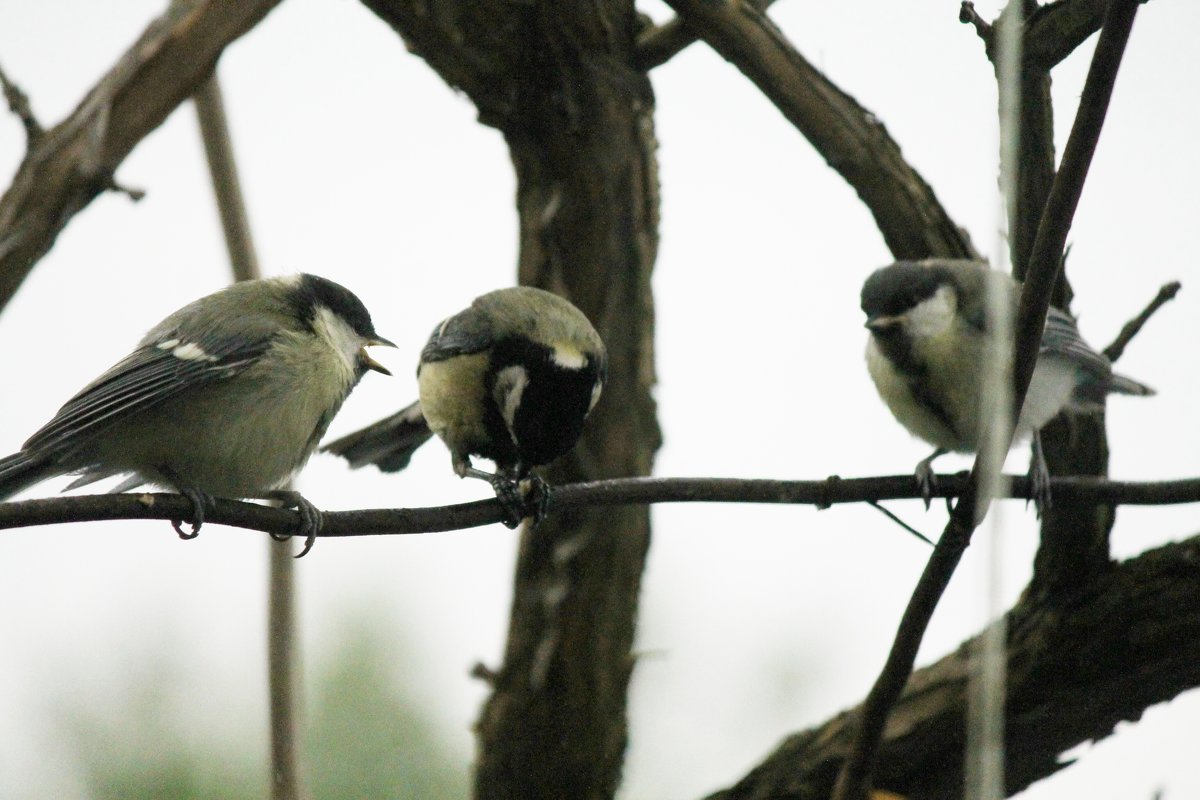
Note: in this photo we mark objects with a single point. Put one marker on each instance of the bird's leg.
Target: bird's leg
(507, 490)
(200, 500)
(1039, 476)
(311, 518)
(539, 495)
(925, 476)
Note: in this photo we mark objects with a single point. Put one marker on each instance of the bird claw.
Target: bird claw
(508, 492)
(200, 500)
(926, 478)
(538, 497)
(311, 519)
(926, 482)
(529, 497)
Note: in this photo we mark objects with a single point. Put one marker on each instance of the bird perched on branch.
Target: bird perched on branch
(928, 344)
(227, 397)
(511, 379)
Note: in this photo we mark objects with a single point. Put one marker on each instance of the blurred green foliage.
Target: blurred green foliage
(366, 737)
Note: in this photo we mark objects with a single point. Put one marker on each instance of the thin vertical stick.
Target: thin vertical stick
(282, 669)
(218, 147)
(984, 762)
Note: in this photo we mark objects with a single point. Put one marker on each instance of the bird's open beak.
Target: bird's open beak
(882, 323)
(371, 363)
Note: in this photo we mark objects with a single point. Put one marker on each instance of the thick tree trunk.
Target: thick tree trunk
(583, 146)
(559, 81)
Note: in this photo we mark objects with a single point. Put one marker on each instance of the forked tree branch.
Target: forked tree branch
(69, 164)
(660, 43)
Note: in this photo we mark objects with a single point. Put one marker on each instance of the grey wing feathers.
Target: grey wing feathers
(466, 332)
(145, 378)
(389, 444)
(1061, 339)
(21, 470)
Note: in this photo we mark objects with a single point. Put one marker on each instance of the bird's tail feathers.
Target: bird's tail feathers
(1119, 384)
(22, 470)
(388, 444)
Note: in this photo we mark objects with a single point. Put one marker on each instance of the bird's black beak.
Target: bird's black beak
(370, 363)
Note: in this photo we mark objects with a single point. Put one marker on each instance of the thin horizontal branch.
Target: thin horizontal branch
(68, 165)
(849, 137)
(615, 492)
(1132, 328)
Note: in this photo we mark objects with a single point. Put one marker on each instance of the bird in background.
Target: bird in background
(227, 397)
(512, 378)
(926, 351)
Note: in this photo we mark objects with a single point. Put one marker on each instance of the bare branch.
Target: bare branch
(18, 103)
(572, 497)
(74, 161)
(1045, 264)
(1074, 674)
(983, 29)
(659, 44)
(1132, 328)
(912, 220)
(1055, 30)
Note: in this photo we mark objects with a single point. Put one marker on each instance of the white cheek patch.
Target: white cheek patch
(510, 385)
(934, 316)
(568, 357)
(338, 334)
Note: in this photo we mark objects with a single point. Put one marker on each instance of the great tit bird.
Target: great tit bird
(511, 379)
(228, 396)
(927, 345)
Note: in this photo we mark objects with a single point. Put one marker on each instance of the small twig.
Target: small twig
(18, 103)
(133, 193)
(1132, 328)
(983, 29)
(892, 516)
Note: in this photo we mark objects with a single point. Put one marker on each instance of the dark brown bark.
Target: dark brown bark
(1099, 655)
(71, 163)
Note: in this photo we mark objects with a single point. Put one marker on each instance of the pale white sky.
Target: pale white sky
(359, 164)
